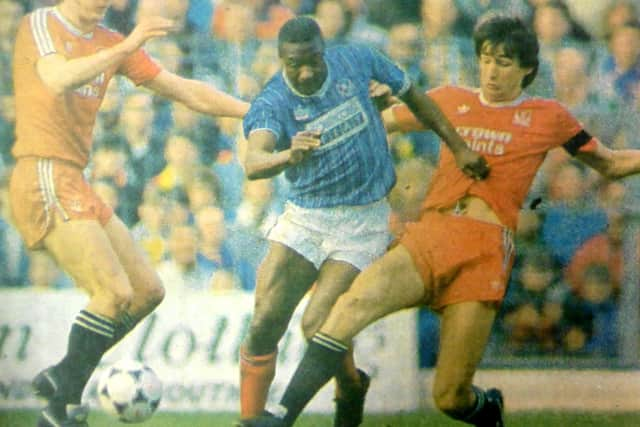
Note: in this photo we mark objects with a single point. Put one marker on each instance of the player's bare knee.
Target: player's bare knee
(116, 299)
(154, 291)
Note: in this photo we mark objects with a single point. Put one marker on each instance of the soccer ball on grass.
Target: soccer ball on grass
(129, 390)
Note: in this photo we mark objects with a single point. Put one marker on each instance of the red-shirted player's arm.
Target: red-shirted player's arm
(612, 164)
(197, 95)
(62, 74)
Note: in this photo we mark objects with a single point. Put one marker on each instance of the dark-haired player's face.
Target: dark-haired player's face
(304, 65)
(500, 75)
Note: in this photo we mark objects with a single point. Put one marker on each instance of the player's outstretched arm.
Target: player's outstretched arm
(612, 164)
(430, 115)
(61, 74)
(197, 95)
(262, 161)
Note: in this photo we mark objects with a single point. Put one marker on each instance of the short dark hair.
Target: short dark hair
(301, 29)
(519, 41)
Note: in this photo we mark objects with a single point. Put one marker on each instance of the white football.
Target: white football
(129, 390)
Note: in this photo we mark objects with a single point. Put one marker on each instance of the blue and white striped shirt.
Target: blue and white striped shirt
(353, 165)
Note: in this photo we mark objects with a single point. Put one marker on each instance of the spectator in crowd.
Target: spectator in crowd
(256, 215)
(108, 119)
(533, 307)
(10, 13)
(149, 230)
(265, 63)
(7, 128)
(203, 189)
(569, 219)
(447, 57)
(556, 28)
(143, 144)
(528, 235)
(227, 165)
(596, 109)
(204, 133)
(619, 13)
(619, 72)
(229, 54)
(176, 11)
(109, 168)
(257, 211)
(590, 316)
(405, 47)
(215, 253)
(121, 15)
(361, 29)
(271, 15)
(176, 208)
(14, 257)
(180, 271)
(181, 157)
(603, 249)
(471, 10)
(332, 19)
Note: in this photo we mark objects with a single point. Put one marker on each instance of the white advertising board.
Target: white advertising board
(192, 342)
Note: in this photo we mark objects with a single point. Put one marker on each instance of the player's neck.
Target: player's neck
(70, 14)
(500, 101)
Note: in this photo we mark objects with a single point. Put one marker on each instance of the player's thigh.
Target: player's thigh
(83, 249)
(283, 278)
(390, 284)
(334, 279)
(142, 276)
(464, 331)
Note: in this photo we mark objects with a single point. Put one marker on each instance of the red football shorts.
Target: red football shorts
(460, 258)
(40, 188)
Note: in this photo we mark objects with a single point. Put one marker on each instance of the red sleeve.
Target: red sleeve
(571, 134)
(139, 67)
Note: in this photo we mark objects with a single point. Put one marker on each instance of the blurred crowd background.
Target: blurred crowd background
(175, 176)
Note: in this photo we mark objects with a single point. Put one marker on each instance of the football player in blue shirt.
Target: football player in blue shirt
(316, 122)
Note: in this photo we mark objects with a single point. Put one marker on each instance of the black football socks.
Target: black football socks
(91, 335)
(122, 328)
(321, 361)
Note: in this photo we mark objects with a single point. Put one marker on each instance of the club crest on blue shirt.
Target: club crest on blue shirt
(345, 87)
(301, 112)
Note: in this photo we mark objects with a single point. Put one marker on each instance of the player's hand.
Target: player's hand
(381, 95)
(472, 164)
(149, 27)
(302, 145)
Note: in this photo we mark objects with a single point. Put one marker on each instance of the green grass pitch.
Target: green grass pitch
(422, 419)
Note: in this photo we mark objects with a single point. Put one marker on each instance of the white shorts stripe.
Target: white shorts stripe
(51, 188)
(43, 190)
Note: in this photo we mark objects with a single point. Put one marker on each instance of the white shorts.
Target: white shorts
(353, 234)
